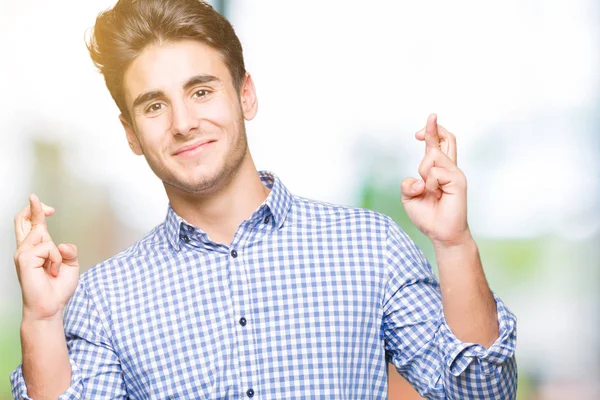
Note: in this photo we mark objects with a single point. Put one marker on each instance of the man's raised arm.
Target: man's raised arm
(48, 275)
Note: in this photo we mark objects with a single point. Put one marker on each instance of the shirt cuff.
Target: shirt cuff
(457, 355)
(19, 388)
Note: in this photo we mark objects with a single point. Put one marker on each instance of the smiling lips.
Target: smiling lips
(193, 149)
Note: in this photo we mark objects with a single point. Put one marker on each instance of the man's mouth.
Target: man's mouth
(193, 149)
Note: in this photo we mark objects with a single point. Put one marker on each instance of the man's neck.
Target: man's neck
(221, 213)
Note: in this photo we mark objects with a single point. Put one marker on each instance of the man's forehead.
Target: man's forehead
(169, 66)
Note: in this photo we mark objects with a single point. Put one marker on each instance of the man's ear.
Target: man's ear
(248, 98)
(134, 144)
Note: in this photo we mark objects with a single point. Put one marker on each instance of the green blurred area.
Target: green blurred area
(10, 348)
(515, 259)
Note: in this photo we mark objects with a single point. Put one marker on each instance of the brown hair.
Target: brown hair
(123, 32)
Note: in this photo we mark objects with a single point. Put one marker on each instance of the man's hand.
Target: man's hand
(48, 274)
(438, 207)
(437, 204)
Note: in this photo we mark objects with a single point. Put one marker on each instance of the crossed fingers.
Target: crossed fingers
(439, 162)
(30, 217)
(436, 136)
(33, 239)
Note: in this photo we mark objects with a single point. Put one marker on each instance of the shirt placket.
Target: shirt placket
(242, 305)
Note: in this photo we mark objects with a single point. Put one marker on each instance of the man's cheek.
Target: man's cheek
(218, 112)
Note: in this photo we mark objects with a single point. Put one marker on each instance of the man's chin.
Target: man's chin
(196, 186)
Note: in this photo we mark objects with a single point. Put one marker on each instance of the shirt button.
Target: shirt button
(186, 238)
(243, 321)
(250, 392)
(233, 253)
(267, 219)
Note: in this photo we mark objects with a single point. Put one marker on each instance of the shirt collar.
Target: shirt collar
(278, 202)
(279, 199)
(173, 226)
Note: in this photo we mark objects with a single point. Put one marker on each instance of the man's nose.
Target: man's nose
(184, 119)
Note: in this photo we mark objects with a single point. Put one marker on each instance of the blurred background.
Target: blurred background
(343, 86)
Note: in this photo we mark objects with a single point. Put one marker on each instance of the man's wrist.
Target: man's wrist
(463, 242)
(30, 319)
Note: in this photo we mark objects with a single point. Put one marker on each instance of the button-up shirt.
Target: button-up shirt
(309, 300)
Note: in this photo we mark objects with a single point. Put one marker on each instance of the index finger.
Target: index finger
(432, 138)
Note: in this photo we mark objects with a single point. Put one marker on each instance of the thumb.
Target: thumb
(412, 187)
(69, 254)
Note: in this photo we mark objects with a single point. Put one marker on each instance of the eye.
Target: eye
(200, 93)
(154, 107)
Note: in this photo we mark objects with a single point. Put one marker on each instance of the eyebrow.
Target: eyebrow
(156, 94)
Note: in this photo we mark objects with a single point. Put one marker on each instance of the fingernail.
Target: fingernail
(418, 185)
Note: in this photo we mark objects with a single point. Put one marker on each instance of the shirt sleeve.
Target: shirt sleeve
(419, 343)
(95, 366)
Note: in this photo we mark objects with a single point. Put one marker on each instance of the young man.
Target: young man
(246, 290)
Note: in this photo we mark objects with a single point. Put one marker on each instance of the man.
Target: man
(246, 290)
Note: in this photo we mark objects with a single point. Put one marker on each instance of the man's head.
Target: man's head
(176, 71)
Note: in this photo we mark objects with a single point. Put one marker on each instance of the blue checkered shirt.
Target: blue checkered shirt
(310, 300)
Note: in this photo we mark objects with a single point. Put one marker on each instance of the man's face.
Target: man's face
(186, 116)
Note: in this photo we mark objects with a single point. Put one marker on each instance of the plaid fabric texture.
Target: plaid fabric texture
(310, 300)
